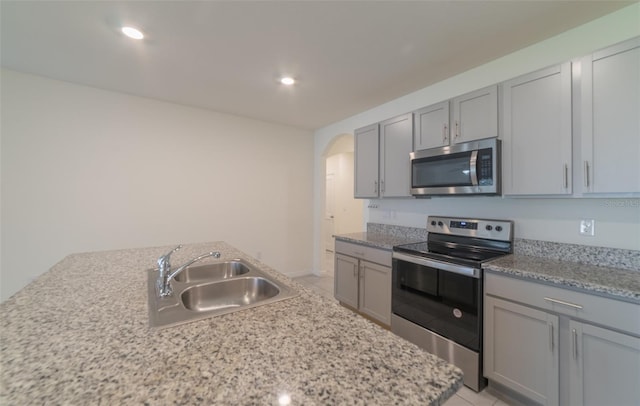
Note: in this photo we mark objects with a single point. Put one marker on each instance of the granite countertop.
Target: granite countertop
(79, 335)
(377, 240)
(615, 283)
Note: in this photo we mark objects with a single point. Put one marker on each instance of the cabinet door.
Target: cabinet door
(346, 280)
(521, 349)
(366, 162)
(396, 140)
(536, 143)
(610, 92)
(375, 291)
(431, 126)
(605, 367)
(475, 115)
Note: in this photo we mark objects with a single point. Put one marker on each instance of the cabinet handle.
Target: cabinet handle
(586, 174)
(382, 186)
(375, 186)
(575, 306)
(457, 132)
(566, 176)
(575, 343)
(551, 343)
(444, 134)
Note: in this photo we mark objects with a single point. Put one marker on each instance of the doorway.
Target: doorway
(342, 213)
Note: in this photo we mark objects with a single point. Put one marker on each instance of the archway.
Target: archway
(342, 213)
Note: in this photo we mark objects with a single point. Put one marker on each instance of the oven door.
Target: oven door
(440, 297)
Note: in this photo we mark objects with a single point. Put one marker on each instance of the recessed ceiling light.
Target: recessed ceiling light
(132, 32)
(287, 80)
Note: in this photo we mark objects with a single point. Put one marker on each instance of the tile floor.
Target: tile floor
(323, 285)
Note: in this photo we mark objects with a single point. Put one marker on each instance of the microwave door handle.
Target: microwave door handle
(472, 167)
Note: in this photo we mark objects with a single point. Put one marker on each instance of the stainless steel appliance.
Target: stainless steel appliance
(467, 168)
(437, 289)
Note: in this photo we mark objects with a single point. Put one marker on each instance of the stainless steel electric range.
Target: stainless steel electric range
(437, 289)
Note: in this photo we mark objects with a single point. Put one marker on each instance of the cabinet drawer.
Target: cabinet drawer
(379, 256)
(623, 316)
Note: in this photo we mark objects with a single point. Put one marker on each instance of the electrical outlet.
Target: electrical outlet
(588, 227)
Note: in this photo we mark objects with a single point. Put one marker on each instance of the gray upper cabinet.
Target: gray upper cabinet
(396, 141)
(431, 126)
(366, 162)
(536, 133)
(610, 95)
(475, 115)
(382, 166)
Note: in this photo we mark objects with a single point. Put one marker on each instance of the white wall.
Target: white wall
(617, 220)
(85, 169)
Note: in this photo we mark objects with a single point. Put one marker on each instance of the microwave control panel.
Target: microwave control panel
(484, 167)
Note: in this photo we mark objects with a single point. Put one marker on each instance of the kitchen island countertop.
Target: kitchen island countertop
(79, 335)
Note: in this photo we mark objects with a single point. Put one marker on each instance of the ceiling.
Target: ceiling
(348, 56)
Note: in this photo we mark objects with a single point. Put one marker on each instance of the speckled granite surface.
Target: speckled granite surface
(411, 234)
(604, 271)
(584, 254)
(616, 283)
(375, 240)
(79, 335)
(385, 236)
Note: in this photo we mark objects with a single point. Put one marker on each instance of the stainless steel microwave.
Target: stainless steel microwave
(461, 169)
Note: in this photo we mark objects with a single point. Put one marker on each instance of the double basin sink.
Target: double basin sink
(202, 291)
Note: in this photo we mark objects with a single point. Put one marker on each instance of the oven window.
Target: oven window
(446, 303)
(443, 170)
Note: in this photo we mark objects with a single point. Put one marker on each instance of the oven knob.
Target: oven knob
(440, 223)
(498, 228)
(489, 228)
(433, 222)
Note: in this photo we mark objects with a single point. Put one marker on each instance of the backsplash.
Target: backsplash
(583, 254)
(419, 234)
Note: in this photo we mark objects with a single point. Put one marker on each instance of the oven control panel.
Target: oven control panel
(468, 227)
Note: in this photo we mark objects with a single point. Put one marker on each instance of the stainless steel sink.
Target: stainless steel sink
(211, 272)
(213, 289)
(228, 294)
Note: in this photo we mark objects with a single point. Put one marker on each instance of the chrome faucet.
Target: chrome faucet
(164, 270)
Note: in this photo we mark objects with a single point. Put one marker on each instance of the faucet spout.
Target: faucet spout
(165, 275)
(196, 259)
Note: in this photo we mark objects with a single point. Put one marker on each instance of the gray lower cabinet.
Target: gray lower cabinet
(554, 346)
(363, 280)
(346, 279)
(521, 349)
(604, 366)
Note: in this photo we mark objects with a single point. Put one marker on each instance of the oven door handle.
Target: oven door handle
(444, 266)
